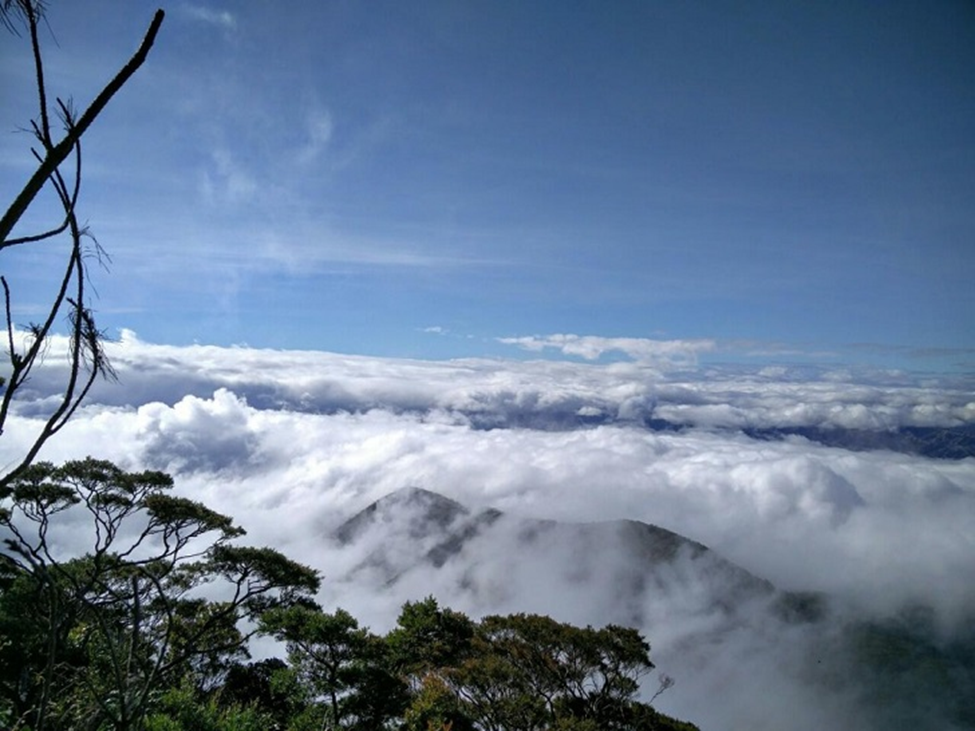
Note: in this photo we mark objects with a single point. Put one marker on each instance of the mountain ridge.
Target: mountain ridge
(413, 528)
(688, 599)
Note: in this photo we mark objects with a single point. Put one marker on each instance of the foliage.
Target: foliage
(341, 666)
(269, 686)
(439, 669)
(428, 637)
(531, 672)
(182, 709)
(434, 707)
(513, 673)
(100, 633)
(910, 670)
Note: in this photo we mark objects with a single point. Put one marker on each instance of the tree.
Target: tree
(522, 673)
(109, 628)
(435, 707)
(428, 637)
(25, 348)
(268, 685)
(181, 709)
(340, 662)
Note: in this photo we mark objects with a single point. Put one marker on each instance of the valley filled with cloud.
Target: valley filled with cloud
(828, 483)
(653, 314)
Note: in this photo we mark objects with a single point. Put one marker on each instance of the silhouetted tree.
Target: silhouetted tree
(26, 346)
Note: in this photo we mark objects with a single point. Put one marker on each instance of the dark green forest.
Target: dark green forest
(148, 626)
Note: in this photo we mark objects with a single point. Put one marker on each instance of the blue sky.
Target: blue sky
(766, 180)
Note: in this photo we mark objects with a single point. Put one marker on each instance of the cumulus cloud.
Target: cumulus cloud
(293, 443)
(197, 435)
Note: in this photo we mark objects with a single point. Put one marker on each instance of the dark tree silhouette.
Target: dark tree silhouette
(59, 166)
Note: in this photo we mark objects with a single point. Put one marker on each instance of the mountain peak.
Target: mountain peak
(417, 531)
(422, 509)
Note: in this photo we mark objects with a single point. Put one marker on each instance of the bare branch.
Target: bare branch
(87, 359)
(59, 152)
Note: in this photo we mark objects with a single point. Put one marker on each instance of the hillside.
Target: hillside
(690, 602)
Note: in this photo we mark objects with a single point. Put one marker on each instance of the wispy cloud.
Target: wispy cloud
(226, 180)
(223, 19)
(960, 354)
(318, 133)
(758, 348)
(592, 347)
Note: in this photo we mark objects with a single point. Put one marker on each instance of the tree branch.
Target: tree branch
(58, 153)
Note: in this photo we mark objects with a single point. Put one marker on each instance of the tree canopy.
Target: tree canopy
(103, 629)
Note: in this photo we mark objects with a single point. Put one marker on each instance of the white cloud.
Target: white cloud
(292, 443)
(223, 19)
(591, 347)
(537, 393)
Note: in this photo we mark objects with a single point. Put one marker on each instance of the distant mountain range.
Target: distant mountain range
(414, 543)
(413, 531)
(956, 442)
(936, 442)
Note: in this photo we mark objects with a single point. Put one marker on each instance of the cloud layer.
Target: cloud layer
(642, 350)
(293, 443)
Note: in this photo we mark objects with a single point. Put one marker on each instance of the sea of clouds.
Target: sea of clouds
(294, 443)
